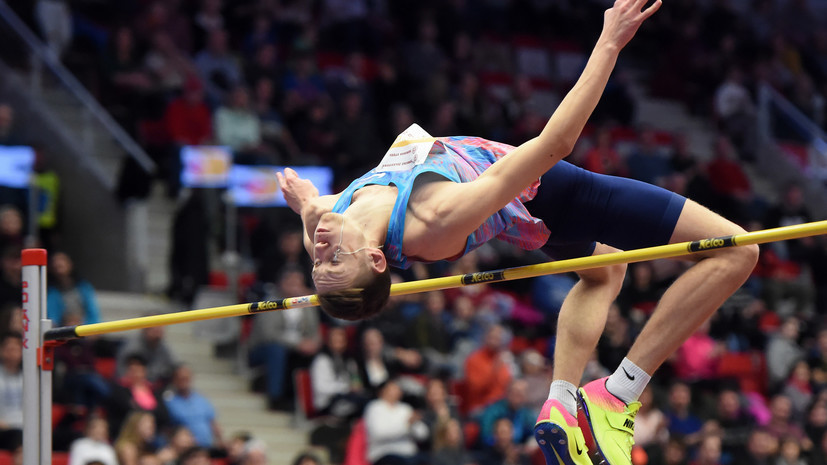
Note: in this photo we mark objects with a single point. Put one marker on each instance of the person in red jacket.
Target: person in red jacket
(188, 119)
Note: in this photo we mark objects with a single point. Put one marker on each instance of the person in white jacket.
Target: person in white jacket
(94, 446)
(393, 428)
(334, 377)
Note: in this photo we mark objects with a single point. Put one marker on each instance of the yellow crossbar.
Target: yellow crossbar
(414, 287)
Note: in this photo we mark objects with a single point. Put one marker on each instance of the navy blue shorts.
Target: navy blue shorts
(581, 208)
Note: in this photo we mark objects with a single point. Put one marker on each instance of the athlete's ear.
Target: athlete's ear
(378, 262)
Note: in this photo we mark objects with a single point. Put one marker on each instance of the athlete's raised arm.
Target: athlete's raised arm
(506, 178)
(303, 198)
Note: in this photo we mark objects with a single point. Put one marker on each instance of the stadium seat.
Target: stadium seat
(356, 450)
(304, 394)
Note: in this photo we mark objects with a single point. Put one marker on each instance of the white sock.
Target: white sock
(565, 393)
(628, 381)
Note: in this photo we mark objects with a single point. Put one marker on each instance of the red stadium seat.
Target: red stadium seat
(304, 393)
(356, 450)
(60, 458)
(106, 367)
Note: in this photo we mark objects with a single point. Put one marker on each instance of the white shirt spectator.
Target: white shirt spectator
(85, 450)
(390, 431)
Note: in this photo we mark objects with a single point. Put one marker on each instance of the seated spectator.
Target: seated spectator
(534, 372)
(8, 133)
(503, 451)
(735, 421)
(81, 384)
(306, 458)
(735, 111)
(816, 424)
(137, 438)
(647, 163)
(651, 431)
(69, 293)
(149, 344)
(602, 157)
(393, 428)
(513, 407)
(11, 276)
(334, 376)
(11, 391)
(783, 351)
(616, 339)
(94, 446)
(760, 449)
(798, 388)
(167, 65)
(789, 452)
(274, 133)
(134, 392)
(682, 422)
(217, 67)
(188, 408)
(709, 451)
(286, 340)
(236, 124)
(11, 225)
(448, 447)
(487, 371)
(187, 118)
(438, 407)
(431, 332)
(729, 182)
(379, 362)
(126, 82)
(782, 424)
(255, 453)
(819, 455)
(11, 318)
(696, 360)
(181, 441)
(236, 446)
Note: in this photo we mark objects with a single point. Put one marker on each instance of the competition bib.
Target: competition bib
(410, 148)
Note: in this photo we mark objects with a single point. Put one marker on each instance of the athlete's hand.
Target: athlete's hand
(297, 191)
(621, 21)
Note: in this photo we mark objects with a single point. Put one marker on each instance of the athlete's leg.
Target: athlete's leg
(610, 405)
(696, 294)
(583, 316)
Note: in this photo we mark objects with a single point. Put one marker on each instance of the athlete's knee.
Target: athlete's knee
(610, 275)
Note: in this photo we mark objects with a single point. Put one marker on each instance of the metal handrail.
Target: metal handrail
(767, 94)
(76, 88)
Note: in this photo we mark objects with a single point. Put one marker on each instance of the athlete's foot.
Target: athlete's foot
(611, 423)
(559, 436)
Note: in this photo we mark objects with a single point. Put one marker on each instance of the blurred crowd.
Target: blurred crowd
(453, 377)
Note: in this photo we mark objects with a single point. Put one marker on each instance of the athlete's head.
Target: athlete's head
(351, 275)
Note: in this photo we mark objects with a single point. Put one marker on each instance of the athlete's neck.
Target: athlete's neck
(371, 212)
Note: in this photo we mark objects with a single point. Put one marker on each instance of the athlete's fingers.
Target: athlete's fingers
(652, 9)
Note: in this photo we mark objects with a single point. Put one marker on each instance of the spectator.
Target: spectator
(70, 294)
(504, 451)
(236, 446)
(127, 83)
(392, 428)
(537, 377)
(697, 359)
(357, 135)
(11, 318)
(709, 451)
(735, 422)
(682, 422)
(438, 408)
(760, 449)
(216, 65)
(187, 117)
(11, 391)
(798, 388)
(647, 163)
(237, 126)
(94, 445)
(487, 371)
(431, 331)
(448, 447)
(379, 363)
(816, 423)
(181, 442)
(513, 407)
(11, 292)
(81, 384)
(602, 157)
(48, 201)
(730, 183)
(791, 210)
(735, 112)
(285, 340)
(255, 453)
(334, 376)
(189, 262)
(819, 456)
(134, 392)
(789, 452)
(11, 226)
(617, 335)
(189, 408)
(55, 20)
(207, 20)
(302, 81)
(8, 133)
(167, 65)
(274, 133)
(149, 344)
(137, 438)
(651, 425)
(783, 351)
(783, 424)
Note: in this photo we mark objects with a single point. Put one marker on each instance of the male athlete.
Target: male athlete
(438, 198)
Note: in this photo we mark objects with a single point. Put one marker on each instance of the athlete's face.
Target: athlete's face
(339, 254)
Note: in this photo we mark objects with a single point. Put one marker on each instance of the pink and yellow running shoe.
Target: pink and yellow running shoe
(611, 423)
(560, 437)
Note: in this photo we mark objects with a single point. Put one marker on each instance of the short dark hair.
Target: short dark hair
(358, 303)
